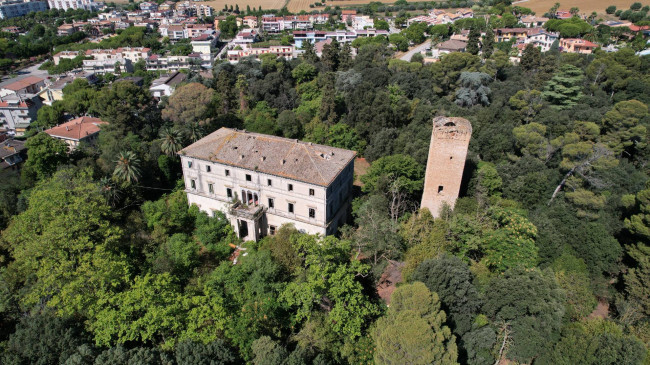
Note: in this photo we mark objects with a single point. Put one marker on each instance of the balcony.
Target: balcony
(251, 212)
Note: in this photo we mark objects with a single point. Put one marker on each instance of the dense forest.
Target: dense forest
(545, 257)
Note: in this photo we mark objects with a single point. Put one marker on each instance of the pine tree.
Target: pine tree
(345, 57)
(488, 43)
(327, 112)
(473, 42)
(531, 57)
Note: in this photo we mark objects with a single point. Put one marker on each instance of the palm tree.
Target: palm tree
(194, 131)
(128, 167)
(172, 140)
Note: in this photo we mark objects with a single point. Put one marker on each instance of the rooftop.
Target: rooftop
(290, 158)
(26, 82)
(10, 147)
(77, 128)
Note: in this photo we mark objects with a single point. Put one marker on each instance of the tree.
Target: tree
(611, 9)
(172, 141)
(62, 245)
(473, 89)
(404, 170)
(261, 119)
(528, 103)
(304, 72)
(329, 280)
(153, 309)
(637, 285)
(44, 155)
(530, 305)
(196, 353)
(330, 57)
(345, 57)
(512, 244)
(413, 330)
(228, 27)
(473, 41)
(190, 103)
(127, 167)
(572, 275)
(636, 6)
(531, 57)
(268, 352)
(450, 278)
(488, 43)
(565, 88)
(623, 129)
(44, 340)
(125, 106)
(595, 341)
(327, 112)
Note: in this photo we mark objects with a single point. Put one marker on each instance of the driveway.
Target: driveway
(417, 49)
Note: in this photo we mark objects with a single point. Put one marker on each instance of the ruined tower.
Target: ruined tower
(447, 152)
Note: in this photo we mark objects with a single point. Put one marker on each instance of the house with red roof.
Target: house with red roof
(84, 129)
(577, 45)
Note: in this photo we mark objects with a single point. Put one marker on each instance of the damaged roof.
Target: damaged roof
(290, 158)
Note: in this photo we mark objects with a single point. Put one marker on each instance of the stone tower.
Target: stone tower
(447, 152)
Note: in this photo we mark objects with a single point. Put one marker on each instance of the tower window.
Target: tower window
(439, 189)
(208, 168)
(312, 213)
(193, 184)
(269, 182)
(229, 192)
(311, 192)
(211, 188)
(271, 203)
(189, 164)
(227, 172)
(290, 207)
(290, 187)
(248, 177)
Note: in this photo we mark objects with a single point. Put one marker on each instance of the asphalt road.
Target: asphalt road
(408, 55)
(21, 74)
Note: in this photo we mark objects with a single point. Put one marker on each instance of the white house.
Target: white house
(165, 85)
(262, 182)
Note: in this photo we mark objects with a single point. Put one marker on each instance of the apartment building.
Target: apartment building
(262, 182)
(17, 112)
(73, 4)
(15, 8)
(288, 52)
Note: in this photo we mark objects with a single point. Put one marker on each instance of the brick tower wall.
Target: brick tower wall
(447, 154)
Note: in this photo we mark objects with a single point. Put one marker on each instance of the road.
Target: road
(25, 72)
(422, 47)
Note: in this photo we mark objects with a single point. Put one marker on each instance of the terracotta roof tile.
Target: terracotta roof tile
(290, 158)
(77, 128)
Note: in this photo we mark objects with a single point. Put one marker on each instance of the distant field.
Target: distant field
(266, 4)
(586, 6)
(538, 6)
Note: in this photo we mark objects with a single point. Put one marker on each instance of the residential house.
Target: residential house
(262, 182)
(246, 37)
(89, 5)
(542, 39)
(451, 46)
(84, 129)
(362, 22)
(64, 55)
(66, 29)
(348, 15)
(532, 21)
(288, 52)
(26, 85)
(12, 154)
(149, 6)
(165, 85)
(250, 21)
(577, 45)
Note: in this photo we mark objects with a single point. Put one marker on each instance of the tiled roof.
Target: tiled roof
(10, 147)
(21, 84)
(77, 128)
(290, 158)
